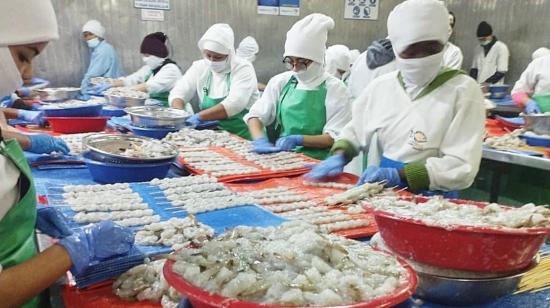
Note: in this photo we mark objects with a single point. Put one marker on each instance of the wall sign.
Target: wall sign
(361, 9)
(268, 7)
(279, 7)
(152, 4)
(152, 15)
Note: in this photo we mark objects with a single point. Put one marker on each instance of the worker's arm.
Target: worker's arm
(318, 141)
(135, 78)
(244, 86)
(163, 81)
(263, 111)
(185, 88)
(100, 63)
(10, 113)
(23, 140)
(20, 283)
(256, 128)
(117, 83)
(216, 112)
(496, 77)
(178, 103)
(142, 87)
(525, 86)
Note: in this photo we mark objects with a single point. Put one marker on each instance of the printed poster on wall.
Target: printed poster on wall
(268, 7)
(361, 9)
(152, 4)
(289, 7)
(152, 15)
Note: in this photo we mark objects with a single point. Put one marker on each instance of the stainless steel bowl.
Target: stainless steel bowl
(123, 102)
(111, 148)
(538, 123)
(57, 94)
(157, 117)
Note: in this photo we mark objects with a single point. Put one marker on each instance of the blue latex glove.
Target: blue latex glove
(30, 116)
(263, 146)
(50, 221)
(37, 80)
(23, 92)
(97, 242)
(98, 89)
(83, 97)
(329, 167)
(532, 107)
(375, 174)
(44, 144)
(193, 121)
(289, 142)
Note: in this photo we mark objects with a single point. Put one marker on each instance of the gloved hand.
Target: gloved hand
(43, 144)
(289, 142)
(263, 146)
(23, 92)
(31, 116)
(375, 174)
(98, 89)
(329, 167)
(50, 221)
(532, 107)
(97, 242)
(193, 121)
(37, 80)
(83, 97)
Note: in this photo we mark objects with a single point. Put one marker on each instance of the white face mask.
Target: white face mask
(93, 42)
(484, 43)
(313, 71)
(218, 66)
(420, 71)
(10, 77)
(153, 61)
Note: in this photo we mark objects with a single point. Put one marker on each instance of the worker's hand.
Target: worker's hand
(193, 121)
(23, 92)
(31, 116)
(330, 167)
(50, 221)
(263, 146)
(97, 242)
(45, 144)
(98, 89)
(532, 107)
(374, 174)
(289, 142)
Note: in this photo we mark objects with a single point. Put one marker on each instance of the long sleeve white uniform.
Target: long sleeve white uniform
(337, 102)
(9, 192)
(452, 56)
(163, 81)
(536, 77)
(444, 129)
(242, 94)
(495, 61)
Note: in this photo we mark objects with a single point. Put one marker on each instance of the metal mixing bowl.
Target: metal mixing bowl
(157, 117)
(123, 102)
(57, 94)
(110, 148)
(538, 123)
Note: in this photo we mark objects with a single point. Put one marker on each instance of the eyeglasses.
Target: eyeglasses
(299, 64)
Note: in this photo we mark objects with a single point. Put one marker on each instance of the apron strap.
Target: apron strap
(292, 83)
(444, 76)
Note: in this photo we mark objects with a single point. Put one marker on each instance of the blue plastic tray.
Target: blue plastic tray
(519, 121)
(157, 133)
(112, 112)
(506, 101)
(536, 142)
(85, 111)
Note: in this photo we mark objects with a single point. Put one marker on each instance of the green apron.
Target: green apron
(18, 242)
(160, 96)
(233, 124)
(302, 112)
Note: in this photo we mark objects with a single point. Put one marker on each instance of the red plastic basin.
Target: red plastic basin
(72, 125)
(200, 298)
(477, 249)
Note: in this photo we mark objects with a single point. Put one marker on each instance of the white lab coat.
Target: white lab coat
(163, 81)
(443, 129)
(9, 177)
(536, 77)
(242, 94)
(337, 102)
(452, 56)
(361, 75)
(495, 61)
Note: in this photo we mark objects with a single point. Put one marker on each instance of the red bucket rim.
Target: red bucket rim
(76, 118)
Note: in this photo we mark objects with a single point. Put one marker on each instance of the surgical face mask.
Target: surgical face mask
(93, 42)
(313, 71)
(484, 43)
(10, 77)
(217, 66)
(420, 71)
(153, 61)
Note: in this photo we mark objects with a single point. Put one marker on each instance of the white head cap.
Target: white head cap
(218, 38)
(337, 58)
(416, 21)
(25, 22)
(95, 27)
(354, 54)
(541, 52)
(248, 48)
(308, 37)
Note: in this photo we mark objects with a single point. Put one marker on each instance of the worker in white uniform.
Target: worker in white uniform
(491, 57)
(25, 29)
(248, 49)
(308, 106)
(452, 55)
(540, 52)
(534, 80)
(353, 55)
(157, 76)
(225, 84)
(338, 61)
(429, 119)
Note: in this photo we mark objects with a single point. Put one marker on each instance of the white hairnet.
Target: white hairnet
(95, 27)
(218, 38)
(416, 21)
(25, 22)
(307, 38)
(337, 58)
(354, 54)
(541, 52)
(248, 48)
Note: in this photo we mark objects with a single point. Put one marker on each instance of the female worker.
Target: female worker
(25, 29)
(429, 119)
(248, 49)
(338, 61)
(159, 73)
(104, 60)
(534, 80)
(308, 106)
(225, 84)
